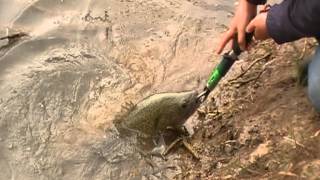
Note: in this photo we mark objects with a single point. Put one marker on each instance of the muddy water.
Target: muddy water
(75, 63)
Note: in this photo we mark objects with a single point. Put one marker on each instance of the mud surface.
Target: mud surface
(66, 67)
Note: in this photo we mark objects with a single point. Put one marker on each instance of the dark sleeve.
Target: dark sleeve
(257, 2)
(294, 19)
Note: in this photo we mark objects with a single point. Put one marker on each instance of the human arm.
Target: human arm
(294, 19)
(284, 22)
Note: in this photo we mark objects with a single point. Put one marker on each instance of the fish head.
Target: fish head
(187, 104)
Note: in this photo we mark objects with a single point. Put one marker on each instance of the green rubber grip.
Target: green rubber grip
(220, 70)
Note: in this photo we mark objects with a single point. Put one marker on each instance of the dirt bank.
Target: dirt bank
(259, 123)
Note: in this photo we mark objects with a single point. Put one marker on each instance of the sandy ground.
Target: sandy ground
(72, 64)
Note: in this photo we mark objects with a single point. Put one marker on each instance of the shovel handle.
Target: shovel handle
(235, 45)
(227, 61)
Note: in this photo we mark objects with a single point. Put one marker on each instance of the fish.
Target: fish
(156, 113)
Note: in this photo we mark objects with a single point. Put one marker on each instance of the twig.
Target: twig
(316, 134)
(250, 66)
(252, 171)
(242, 82)
(190, 149)
(283, 173)
(174, 143)
(297, 143)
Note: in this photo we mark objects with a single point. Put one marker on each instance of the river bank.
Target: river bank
(259, 123)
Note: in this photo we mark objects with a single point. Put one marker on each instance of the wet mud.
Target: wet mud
(66, 67)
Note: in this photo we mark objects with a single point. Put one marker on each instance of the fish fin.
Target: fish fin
(160, 147)
(126, 108)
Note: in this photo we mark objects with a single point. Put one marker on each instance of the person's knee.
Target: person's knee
(314, 95)
(314, 80)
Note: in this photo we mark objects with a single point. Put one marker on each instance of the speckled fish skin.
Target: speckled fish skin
(159, 111)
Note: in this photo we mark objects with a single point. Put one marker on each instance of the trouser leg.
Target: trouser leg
(314, 80)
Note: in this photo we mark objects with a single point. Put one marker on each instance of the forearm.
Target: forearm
(294, 19)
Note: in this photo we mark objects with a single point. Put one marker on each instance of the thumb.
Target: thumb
(251, 26)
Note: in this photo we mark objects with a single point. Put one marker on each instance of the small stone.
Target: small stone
(10, 146)
(219, 165)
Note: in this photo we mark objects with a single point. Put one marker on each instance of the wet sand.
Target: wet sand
(62, 84)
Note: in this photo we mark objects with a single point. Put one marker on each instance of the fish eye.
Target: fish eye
(184, 104)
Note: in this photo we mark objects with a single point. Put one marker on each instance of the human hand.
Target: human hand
(244, 14)
(259, 26)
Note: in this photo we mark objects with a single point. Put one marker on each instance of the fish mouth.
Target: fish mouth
(195, 93)
(195, 103)
(195, 99)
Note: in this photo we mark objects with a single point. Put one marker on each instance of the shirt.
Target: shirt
(292, 19)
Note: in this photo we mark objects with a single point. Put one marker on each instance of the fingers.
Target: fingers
(251, 26)
(224, 41)
(241, 39)
(259, 27)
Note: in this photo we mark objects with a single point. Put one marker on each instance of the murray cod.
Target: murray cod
(158, 112)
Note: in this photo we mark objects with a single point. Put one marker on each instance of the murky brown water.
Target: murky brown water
(63, 83)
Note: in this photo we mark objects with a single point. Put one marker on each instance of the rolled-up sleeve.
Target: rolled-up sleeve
(294, 19)
(257, 2)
